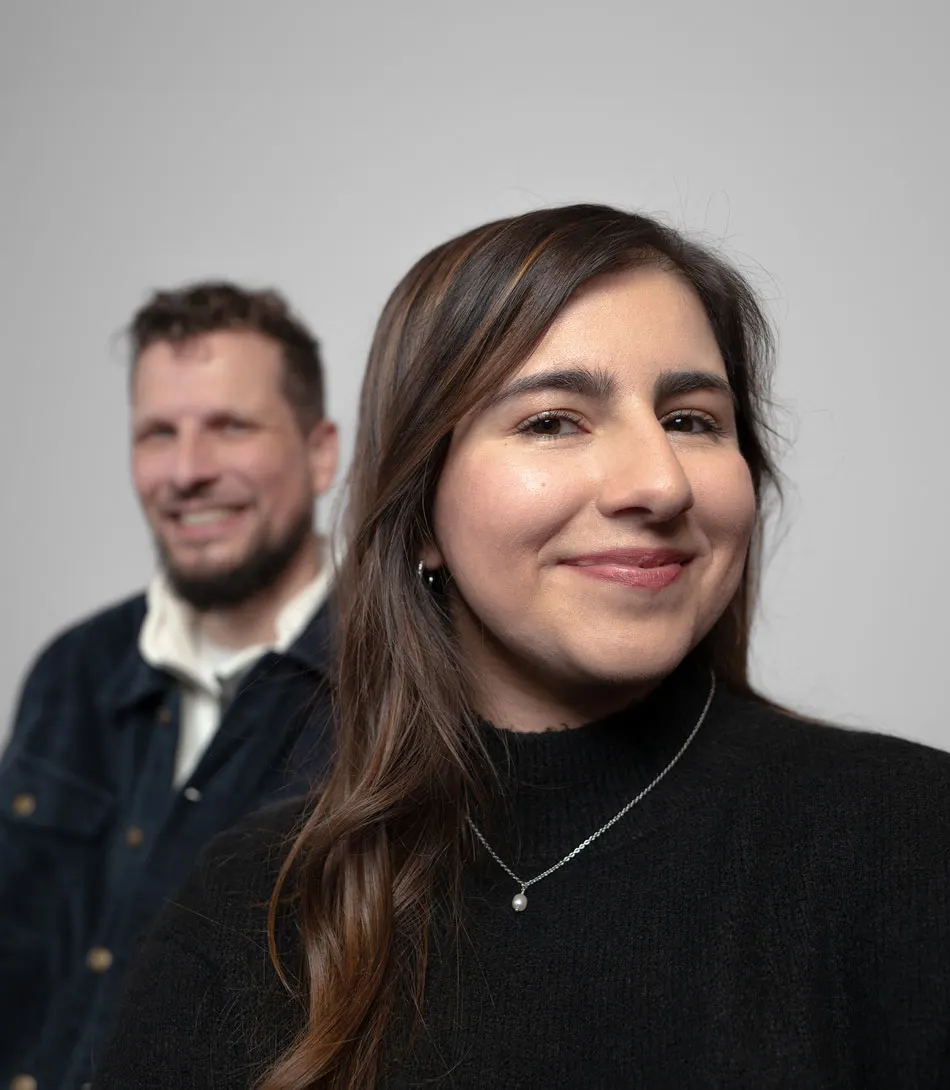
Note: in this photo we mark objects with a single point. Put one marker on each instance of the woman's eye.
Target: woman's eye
(692, 423)
(550, 425)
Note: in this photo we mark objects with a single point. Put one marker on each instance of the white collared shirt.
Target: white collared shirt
(210, 674)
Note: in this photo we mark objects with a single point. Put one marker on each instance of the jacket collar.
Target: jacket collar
(135, 682)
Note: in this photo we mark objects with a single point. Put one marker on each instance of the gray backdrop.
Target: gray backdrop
(322, 147)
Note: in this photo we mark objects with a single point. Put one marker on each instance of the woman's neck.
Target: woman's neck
(534, 709)
(515, 698)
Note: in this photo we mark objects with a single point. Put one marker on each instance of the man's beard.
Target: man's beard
(258, 572)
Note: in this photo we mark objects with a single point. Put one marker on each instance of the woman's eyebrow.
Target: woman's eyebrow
(597, 385)
(675, 383)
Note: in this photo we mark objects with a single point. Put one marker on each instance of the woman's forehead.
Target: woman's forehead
(644, 320)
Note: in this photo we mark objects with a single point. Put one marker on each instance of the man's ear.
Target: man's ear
(323, 452)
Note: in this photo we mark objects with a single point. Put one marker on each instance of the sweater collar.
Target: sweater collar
(555, 788)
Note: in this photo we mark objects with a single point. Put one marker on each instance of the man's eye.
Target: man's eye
(155, 431)
(552, 425)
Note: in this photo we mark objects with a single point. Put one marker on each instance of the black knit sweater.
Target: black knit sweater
(776, 913)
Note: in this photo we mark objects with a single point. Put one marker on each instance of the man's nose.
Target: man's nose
(194, 462)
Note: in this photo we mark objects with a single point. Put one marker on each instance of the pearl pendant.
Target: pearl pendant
(519, 902)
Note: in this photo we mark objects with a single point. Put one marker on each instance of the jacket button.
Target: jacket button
(164, 714)
(192, 794)
(99, 959)
(24, 805)
(23, 1082)
(134, 837)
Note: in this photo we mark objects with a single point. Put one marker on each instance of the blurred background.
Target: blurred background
(320, 148)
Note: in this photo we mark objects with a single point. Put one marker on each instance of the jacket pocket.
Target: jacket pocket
(38, 795)
(52, 827)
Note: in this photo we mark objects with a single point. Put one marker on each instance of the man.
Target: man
(148, 728)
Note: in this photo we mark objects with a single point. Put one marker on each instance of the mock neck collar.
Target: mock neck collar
(555, 788)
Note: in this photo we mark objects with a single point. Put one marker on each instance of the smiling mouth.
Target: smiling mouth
(206, 517)
(203, 524)
(646, 569)
(657, 577)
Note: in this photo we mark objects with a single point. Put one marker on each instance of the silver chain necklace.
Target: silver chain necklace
(520, 901)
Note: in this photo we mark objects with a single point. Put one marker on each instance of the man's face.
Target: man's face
(225, 474)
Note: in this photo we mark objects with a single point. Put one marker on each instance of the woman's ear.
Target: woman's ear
(431, 557)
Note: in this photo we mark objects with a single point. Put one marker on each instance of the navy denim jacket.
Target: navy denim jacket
(93, 838)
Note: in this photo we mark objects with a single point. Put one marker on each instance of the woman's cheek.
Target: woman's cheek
(502, 497)
(725, 501)
(532, 504)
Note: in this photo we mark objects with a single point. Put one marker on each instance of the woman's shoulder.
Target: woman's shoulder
(258, 842)
(817, 740)
(231, 884)
(839, 770)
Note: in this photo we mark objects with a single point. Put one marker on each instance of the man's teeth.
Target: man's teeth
(199, 518)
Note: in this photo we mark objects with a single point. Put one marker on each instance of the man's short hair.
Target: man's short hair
(208, 307)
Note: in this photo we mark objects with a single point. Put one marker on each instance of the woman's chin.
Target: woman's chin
(634, 662)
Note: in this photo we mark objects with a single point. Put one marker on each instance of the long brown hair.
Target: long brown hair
(385, 840)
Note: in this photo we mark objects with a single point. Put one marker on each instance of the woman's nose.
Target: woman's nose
(640, 473)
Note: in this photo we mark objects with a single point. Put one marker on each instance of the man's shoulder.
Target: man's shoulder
(111, 630)
(76, 665)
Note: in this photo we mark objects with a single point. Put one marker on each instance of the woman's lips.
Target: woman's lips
(650, 578)
(651, 569)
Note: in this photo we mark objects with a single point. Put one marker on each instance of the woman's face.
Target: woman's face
(596, 514)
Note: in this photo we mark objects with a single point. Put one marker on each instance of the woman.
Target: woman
(564, 843)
